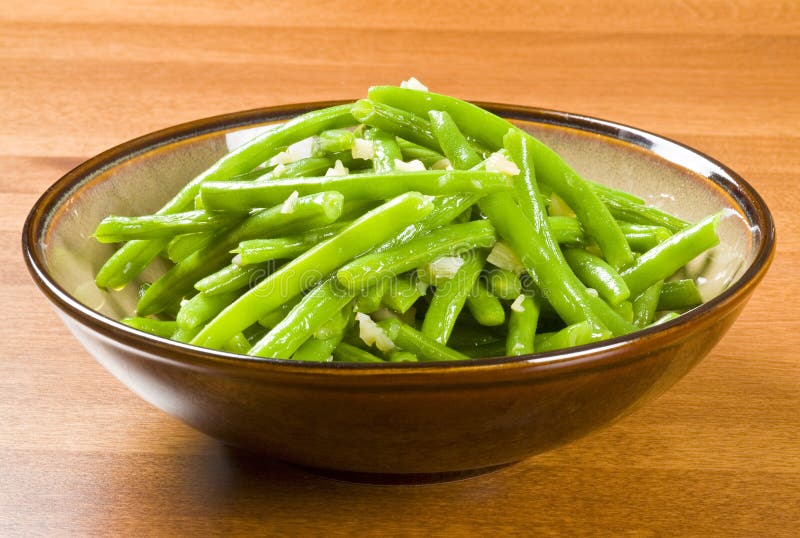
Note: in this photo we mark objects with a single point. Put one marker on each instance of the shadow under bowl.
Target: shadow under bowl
(397, 422)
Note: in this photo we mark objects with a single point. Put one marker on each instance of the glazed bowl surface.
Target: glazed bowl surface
(397, 421)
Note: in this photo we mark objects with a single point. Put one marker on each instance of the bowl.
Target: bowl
(397, 422)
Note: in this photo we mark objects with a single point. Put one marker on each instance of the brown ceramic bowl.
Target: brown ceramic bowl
(397, 421)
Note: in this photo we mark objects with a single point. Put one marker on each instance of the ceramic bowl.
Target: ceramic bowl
(397, 422)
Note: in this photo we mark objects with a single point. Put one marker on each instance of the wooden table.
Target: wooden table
(718, 455)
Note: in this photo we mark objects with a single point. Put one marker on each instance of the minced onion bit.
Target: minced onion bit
(371, 334)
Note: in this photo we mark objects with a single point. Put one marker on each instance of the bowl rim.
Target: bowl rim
(598, 354)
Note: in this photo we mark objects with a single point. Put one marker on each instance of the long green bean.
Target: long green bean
(522, 327)
(409, 339)
(233, 194)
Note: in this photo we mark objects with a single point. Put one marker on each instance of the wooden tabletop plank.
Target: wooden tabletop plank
(717, 455)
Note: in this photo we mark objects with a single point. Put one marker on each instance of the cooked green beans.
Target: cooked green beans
(664, 259)
(319, 242)
(230, 195)
(307, 269)
(522, 327)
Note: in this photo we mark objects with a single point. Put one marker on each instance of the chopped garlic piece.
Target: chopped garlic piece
(503, 257)
(442, 164)
(516, 306)
(284, 157)
(445, 267)
(497, 162)
(412, 166)
(370, 333)
(592, 292)
(362, 149)
(413, 84)
(288, 205)
(302, 149)
(278, 170)
(338, 169)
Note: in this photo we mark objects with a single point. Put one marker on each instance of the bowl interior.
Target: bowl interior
(139, 179)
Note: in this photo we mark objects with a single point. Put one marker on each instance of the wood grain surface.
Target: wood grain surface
(718, 455)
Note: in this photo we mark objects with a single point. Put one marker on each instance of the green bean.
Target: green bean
(640, 237)
(385, 149)
(485, 351)
(402, 356)
(489, 130)
(577, 334)
(369, 299)
(310, 166)
(317, 350)
(396, 121)
(344, 352)
(596, 273)
(132, 258)
(232, 277)
(313, 310)
(606, 192)
(336, 325)
(409, 339)
(453, 143)
(449, 299)
(522, 328)
(181, 246)
(643, 237)
(679, 295)
(485, 307)
(414, 152)
(625, 310)
(315, 264)
(202, 307)
(238, 344)
(233, 194)
(273, 317)
(663, 260)
(503, 283)
(626, 210)
(255, 251)
(184, 335)
(401, 294)
(645, 305)
(667, 316)
(447, 240)
(467, 334)
(128, 262)
(157, 327)
(114, 229)
(310, 211)
(567, 230)
(332, 141)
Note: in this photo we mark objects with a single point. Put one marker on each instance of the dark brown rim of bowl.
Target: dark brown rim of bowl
(599, 354)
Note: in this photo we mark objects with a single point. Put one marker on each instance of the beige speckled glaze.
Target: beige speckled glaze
(397, 422)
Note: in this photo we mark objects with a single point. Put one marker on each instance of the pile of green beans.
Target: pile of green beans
(417, 227)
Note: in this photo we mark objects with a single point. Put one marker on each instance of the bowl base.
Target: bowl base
(390, 479)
